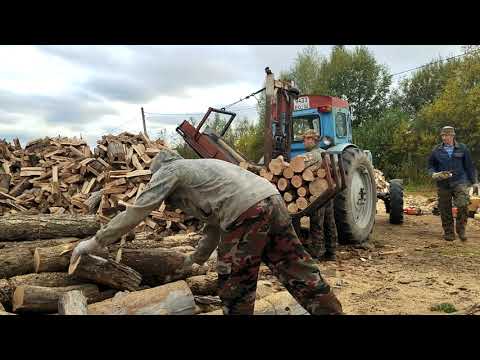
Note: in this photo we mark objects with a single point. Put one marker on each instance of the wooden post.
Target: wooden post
(144, 125)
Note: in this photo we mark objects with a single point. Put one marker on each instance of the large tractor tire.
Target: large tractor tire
(355, 207)
(396, 201)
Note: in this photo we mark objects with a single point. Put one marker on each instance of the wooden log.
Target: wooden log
(203, 284)
(302, 191)
(56, 258)
(280, 303)
(288, 172)
(105, 272)
(308, 175)
(292, 208)
(72, 302)
(298, 164)
(276, 166)
(302, 203)
(15, 262)
(18, 189)
(36, 243)
(93, 201)
(312, 198)
(305, 222)
(283, 184)
(318, 186)
(31, 227)
(170, 299)
(266, 174)
(115, 151)
(296, 181)
(288, 197)
(158, 266)
(45, 299)
(250, 167)
(321, 173)
(5, 182)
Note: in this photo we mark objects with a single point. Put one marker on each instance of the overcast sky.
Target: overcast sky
(95, 90)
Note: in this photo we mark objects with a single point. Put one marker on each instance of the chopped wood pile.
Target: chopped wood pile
(299, 181)
(62, 176)
(382, 184)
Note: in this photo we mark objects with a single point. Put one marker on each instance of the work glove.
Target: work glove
(84, 247)
(442, 175)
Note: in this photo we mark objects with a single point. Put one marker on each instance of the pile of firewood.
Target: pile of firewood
(300, 182)
(62, 175)
(139, 275)
(382, 184)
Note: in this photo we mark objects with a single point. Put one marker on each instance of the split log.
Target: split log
(93, 201)
(288, 172)
(302, 203)
(298, 164)
(282, 184)
(203, 284)
(158, 266)
(302, 191)
(105, 272)
(288, 197)
(297, 181)
(5, 182)
(292, 208)
(169, 299)
(318, 186)
(56, 258)
(266, 174)
(281, 303)
(72, 303)
(31, 227)
(45, 299)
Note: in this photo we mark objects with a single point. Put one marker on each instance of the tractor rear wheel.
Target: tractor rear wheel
(396, 201)
(355, 207)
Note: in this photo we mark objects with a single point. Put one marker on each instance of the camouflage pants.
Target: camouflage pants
(265, 233)
(323, 232)
(461, 199)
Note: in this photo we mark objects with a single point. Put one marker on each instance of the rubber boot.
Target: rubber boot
(461, 222)
(329, 256)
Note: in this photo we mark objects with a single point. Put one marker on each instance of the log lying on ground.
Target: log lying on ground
(105, 272)
(298, 164)
(72, 302)
(32, 227)
(169, 299)
(56, 258)
(56, 279)
(158, 266)
(281, 303)
(15, 262)
(203, 284)
(36, 243)
(28, 298)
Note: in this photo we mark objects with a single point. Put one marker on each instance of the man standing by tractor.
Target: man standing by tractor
(245, 217)
(322, 241)
(451, 166)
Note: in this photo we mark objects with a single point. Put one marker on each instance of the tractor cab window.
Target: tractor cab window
(341, 124)
(302, 124)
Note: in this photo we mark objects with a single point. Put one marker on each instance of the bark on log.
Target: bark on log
(36, 243)
(72, 303)
(167, 242)
(169, 299)
(45, 299)
(158, 266)
(93, 201)
(5, 182)
(15, 262)
(317, 187)
(203, 284)
(31, 227)
(105, 272)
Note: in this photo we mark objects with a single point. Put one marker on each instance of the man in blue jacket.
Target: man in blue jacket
(451, 166)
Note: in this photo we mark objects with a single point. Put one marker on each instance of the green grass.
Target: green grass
(444, 307)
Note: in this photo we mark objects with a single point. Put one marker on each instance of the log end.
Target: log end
(73, 266)
(36, 260)
(18, 296)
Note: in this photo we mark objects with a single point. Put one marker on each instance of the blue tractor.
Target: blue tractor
(355, 207)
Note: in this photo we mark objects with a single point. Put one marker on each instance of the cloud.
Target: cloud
(77, 108)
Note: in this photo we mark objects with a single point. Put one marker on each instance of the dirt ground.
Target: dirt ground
(407, 269)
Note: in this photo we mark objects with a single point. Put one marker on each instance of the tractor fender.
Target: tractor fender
(342, 147)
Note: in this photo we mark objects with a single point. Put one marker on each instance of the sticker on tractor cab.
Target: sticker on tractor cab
(301, 103)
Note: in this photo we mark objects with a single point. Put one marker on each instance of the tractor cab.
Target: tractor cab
(327, 115)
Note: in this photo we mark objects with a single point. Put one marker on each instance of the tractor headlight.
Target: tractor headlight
(326, 140)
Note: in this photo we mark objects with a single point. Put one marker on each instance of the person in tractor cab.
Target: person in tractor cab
(322, 241)
(246, 218)
(451, 166)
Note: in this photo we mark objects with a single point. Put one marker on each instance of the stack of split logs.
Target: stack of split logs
(300, 182)
(138, 276)
(63, 176)
(382, 184)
